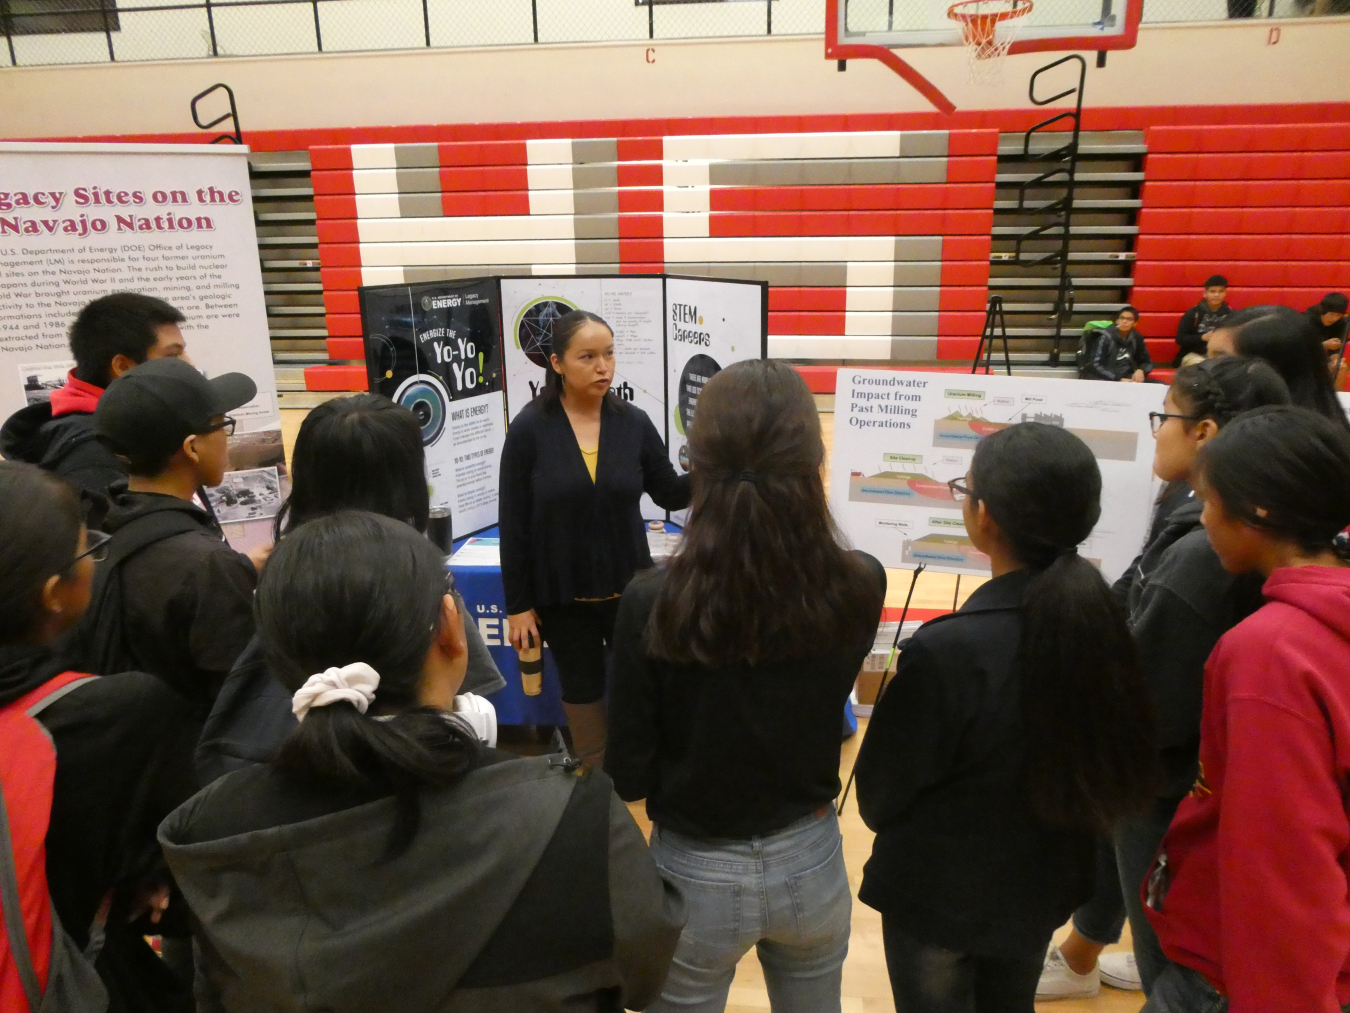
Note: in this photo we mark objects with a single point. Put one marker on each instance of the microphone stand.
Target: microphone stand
(885, 675)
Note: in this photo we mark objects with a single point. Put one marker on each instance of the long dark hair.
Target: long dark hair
(762, 574)
(355, 586)
(1285, 470)
(564, 329)
(1222, 389)
(41, 519)
(357, 453)
(1088, 730)
(1285, 339)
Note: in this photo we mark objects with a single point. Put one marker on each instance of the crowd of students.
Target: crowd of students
(284, 769)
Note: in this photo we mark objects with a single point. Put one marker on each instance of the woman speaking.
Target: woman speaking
(575, 464)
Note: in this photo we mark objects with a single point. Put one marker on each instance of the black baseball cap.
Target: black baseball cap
(154, 407)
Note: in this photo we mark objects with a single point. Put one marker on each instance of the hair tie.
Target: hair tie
(356, 683)
(1341, 544)
(748, 476)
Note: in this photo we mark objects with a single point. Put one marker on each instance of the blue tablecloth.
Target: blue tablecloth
(481, 588)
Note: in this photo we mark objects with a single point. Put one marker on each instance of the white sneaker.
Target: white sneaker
(1060, 981)
(1120, 971)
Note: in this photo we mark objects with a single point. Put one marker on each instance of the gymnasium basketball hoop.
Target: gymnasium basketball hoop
(986, 46)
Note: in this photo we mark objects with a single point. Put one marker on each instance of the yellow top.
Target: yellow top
(591, 457)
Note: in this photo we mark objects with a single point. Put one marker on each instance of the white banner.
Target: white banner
(631, 305)
(900, 436)
(78, 221)
(709, 325)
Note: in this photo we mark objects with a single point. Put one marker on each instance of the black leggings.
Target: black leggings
(578, 633)
(928, 979)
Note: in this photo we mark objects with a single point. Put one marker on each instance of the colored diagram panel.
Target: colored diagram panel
(899, 487)
(961, 430)
(944, 550)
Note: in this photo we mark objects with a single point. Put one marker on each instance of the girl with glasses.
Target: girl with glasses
(1013, 733)
(1180, 601)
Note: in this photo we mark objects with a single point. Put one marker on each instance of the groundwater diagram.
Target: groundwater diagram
(904, 483)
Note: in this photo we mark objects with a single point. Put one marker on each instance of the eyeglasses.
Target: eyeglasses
(1156, 420)
(96, 546)
(228, 425)
(959, 489)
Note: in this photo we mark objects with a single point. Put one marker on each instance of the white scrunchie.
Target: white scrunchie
(479, 715)
(356, 683)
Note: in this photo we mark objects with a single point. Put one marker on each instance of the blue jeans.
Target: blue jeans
(786, 894)
(1180, 990)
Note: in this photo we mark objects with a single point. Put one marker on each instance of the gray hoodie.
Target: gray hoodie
(527, 887)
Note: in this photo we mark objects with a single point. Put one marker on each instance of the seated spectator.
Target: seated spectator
(1119, 352)
(385, 859)
(353, 453)
(120, 764)
(1282, 337)
(173, 599)
(1327, 319)
(1202, 318)
(1248, 893)
(732, 666)
(1014, 733)
(109, 337)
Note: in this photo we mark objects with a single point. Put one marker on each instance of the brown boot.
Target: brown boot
(590, 730)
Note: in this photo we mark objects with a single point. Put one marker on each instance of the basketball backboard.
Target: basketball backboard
(876, 29)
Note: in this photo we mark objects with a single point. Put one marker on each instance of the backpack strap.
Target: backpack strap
(27, 775)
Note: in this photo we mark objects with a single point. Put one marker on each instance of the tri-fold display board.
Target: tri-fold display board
(466, 356)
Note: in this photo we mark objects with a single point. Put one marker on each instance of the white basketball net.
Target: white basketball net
(987, 36)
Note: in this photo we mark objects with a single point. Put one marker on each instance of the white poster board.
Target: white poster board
(900, 436)
(631, 305)
(78, 221)
(709, 325)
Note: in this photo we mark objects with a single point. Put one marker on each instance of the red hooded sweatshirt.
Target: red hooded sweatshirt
(1259, 854)
(75, 396)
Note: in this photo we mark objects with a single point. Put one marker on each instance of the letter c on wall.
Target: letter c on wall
(651, 54)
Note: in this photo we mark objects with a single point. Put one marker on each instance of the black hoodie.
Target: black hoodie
(66, 446)
(123, 763)
(187, 600)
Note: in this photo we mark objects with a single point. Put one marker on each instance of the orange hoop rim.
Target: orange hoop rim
(1015, 9)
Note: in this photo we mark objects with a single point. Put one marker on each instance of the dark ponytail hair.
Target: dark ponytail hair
(1222, 389)
(40, 516)
(357, 453)
(762, 573)
(355, 586)
(564, 329)
(1292, 465)
(1088, 733)
(1284, 338)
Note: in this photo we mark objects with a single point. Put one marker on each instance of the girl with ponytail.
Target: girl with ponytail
(732, 666)
(384, 847)
(1248, 892)
(1013, 732)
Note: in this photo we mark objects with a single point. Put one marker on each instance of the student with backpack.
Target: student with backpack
(1116, 352)
(362, 452)
(1014, 732)
(88, 768)
(1248, 891)
(173, 598)
(1180, 602)
(385, 859)
(109, 336)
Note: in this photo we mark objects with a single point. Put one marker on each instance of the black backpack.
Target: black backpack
(98, 643)
(1087, 343)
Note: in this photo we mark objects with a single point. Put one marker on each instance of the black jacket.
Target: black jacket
(1326, 332)
(960, 859)
(1195, 323)
(733, 752)
(526, 887)
(563, 536)
(1181, 601)
(1116, 356)
(188, 601)
(66, 446)
(122, 765)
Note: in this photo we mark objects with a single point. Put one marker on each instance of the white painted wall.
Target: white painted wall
(1208, 64)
